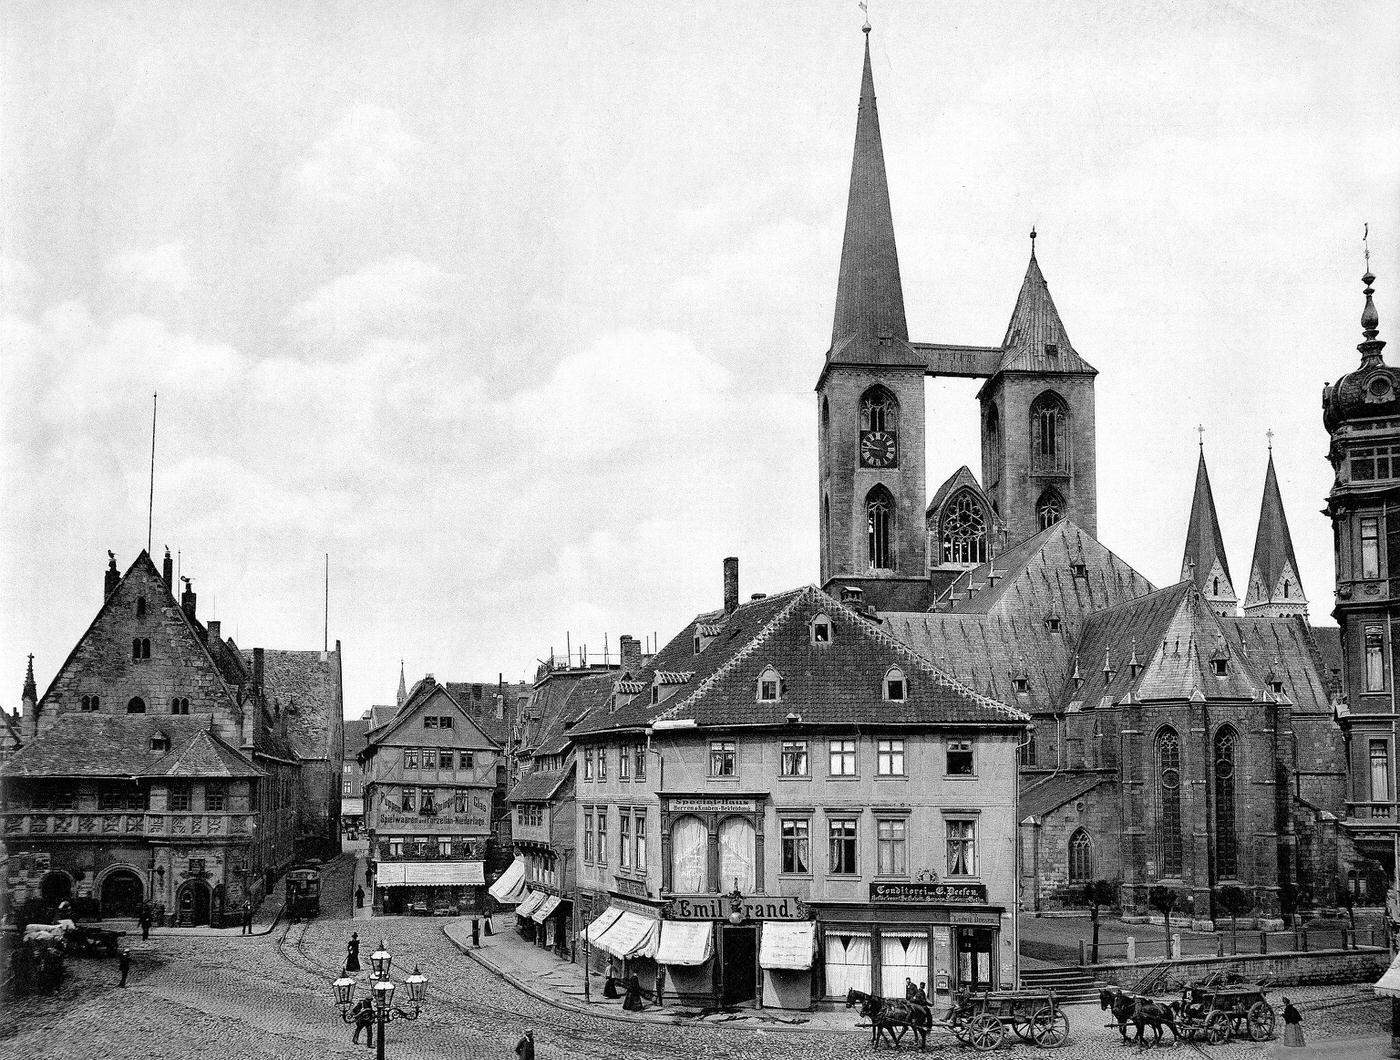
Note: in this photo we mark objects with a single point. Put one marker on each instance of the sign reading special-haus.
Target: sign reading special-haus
(927, 893)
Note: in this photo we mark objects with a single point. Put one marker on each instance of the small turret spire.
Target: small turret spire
(1370, 319)
(1275, 590)
(31, 691)
(1204, 563)
(403, 686)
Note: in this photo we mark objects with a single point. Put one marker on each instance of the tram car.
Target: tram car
(304, 894)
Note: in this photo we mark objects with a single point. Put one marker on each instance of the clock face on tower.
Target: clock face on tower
(878, 449)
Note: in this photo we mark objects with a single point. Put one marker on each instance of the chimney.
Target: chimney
(111, 578)
(187, 598)
(629, 654)
(214, 627)
(258, 670)
(731, 584)
(167, 570)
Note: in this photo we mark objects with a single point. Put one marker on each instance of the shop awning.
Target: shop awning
(1389, 984)
(430, 873)
(787, 947)
(352, 807)
(605, 920)
(630, 936)
(543, 911)
(510, 888)
(685, 942)
(531, 903)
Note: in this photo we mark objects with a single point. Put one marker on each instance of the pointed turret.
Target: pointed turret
(29, 704)
(1036, 340)
(869, 295)
(1204, 563)
(403, 686)
(1274, 588)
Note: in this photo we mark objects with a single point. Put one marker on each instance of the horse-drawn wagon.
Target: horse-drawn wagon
(979, 1020)
(1218, 1012)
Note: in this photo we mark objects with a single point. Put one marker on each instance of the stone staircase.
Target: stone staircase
(1072, 985)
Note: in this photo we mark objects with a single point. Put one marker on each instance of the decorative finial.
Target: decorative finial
(1270, 435)
(1201, 436)
(1032, 240)
(1370, 319)
(865, 7)
(1366, 244)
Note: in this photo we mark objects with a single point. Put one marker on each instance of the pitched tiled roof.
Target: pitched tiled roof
(119, 745)
(1042, 795)
(1273, 546)
(838, 682)
(478, 699)
(538, 785)
(306, 688)
(1204, 545)
(576, 699)
(355, 733)
(1328, 640)
(1289, 650)
(1035, 324)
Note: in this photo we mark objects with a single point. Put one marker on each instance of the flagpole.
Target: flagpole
(151, 503)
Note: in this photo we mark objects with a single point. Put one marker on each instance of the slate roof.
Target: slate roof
(1290, 650)
(836, 683)
(869, 295)
(482, 708)
(306, 687)
(1204, 545)
(356, 731)
(584, 696)
(1273, 546)
(1035, 323)
(119, 745)
(1042, 795)
(1328, 641)
(538, 785)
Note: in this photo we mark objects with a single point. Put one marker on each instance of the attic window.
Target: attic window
(1052, 349)
(896, 688)
(770, 686)
(1078, 570)
(140, 607)
(160, 742)
(1217, 667)
(1020, 684)
(1276, 686)
(821, 630)
(1052, 623)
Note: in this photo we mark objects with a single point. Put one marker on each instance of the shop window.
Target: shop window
(793, 762)
(891, 848)
(396, 846)
(841, 758)
(890, 758)
(796, 840)
(842, 834)
(689, 852)
(962, 847)
(444, 846)
(960, 760)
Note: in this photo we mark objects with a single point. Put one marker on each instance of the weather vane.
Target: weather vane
(865, 7)
(1270, 435)
(1201, 435)
(1366, 242)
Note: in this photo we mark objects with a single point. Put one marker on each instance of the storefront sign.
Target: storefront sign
(437, 822)
(975, 918)
(719, 906)
(927, 893)
(627, 885)
(712, 805)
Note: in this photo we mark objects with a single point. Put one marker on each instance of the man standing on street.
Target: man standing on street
(363, 1015)
(124, 965)
(359, 897)
(247, 917)
(145, 921)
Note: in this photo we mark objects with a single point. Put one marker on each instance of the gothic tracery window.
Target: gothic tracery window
(879, 411)
(1049, 434)
(879, 519)
(1081, 857)
(1169, 794)
(1226, 840)
(1050, 508)
(964, 531)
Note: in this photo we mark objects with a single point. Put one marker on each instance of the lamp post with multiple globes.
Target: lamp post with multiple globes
(381, 995)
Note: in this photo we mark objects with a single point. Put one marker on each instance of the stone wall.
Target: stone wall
(1281, 969)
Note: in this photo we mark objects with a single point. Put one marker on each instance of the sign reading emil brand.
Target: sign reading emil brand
(705, 805)
(718, 907)
(927, 893)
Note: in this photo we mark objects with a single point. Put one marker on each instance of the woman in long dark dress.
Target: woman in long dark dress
(1292, 1025)
(352, 953)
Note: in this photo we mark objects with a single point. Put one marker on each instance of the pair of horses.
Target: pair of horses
(892, 1018)
(1142, 1012)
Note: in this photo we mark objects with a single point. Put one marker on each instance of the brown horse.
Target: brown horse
(1142, 1011)
(890, 1018)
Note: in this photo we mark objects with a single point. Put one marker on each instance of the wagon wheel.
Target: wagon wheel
(1022, 1024)
(985, 1032)
(1260, 1021)
(1217, 1027)
(1049, 1027)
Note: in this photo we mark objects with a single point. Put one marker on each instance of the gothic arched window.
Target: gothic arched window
(1050, 508)
(1227, 860)
(879, 410)
(137, 705)
(1169, 795)
(879, 522)
(1049, 433)
(1081, 857)
(964, 531)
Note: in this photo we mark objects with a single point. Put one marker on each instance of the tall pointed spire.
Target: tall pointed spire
(403, 686)
(869, 295)
(1204, 563)
(1274, 588)
(1036, 339)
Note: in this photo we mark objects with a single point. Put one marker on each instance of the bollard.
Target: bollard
(1132, 950)
(476, 932)
(1176, 946)
(488, 932)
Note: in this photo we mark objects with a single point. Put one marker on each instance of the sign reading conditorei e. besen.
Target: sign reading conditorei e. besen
(927, 893)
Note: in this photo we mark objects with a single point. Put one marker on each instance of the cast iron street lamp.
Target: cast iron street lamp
(381, 999)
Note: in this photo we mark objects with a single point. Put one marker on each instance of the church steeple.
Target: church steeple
(1036, 339)
(1204, 563)
(1274, 588)
(403, 686)
(869, 295)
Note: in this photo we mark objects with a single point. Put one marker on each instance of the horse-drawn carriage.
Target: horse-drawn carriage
(979, 1020)
(303, 894)
(1217, 1012)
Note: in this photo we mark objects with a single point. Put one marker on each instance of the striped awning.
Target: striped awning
(687, 943)
(787, 947)
(533, 902)
(631, 935)
(430, 873)
(1389, 984)
(545, 909)
(510, 888)
(605, 920)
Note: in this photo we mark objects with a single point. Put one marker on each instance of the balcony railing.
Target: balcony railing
(1374, 811)
(163, 823)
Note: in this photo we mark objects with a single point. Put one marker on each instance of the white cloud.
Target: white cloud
(366, 153)
(161, 269)
(17, 283)
(397, 295)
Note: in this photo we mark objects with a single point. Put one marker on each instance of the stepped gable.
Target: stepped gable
(306, 688)
(119, 745)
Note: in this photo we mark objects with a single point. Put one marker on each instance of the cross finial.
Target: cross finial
(1032, 240)
(1270, 435)
(1201, 436)
(1366, 243)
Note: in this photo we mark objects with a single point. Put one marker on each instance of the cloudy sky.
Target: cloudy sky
(516, 309)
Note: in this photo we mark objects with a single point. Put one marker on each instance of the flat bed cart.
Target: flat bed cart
(1219, 1013)
(982, 1020)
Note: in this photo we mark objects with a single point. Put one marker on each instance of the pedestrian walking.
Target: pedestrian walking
(352, 953)
(145, 921)
(359, 897)
(525, 1048)
(124, 965)
(363, 1015)
(633, 1001)
(1292, 1026)
(909, 989)
(247, 917)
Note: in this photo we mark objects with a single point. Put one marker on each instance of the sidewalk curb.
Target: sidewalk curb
(664, 1020)
(212, 933)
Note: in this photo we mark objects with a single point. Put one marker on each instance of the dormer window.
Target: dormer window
(1052, 623)
(1078, 570)
(160, 742)
(1276, 686)
(1217, 667)
(821, 630)
(770, 686)
(656, 694)
(896, 688)
(1020, 685)
(1052, 349)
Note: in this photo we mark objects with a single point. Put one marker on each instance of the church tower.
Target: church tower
(870, 397)
(1204, 563)
(1275, 590)
(1038, 446)
(1361, 412)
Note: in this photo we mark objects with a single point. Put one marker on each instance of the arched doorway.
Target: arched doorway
(56, 887)
(193, 903)
(122, 894)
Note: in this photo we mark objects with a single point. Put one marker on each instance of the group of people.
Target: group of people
(917, 995)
